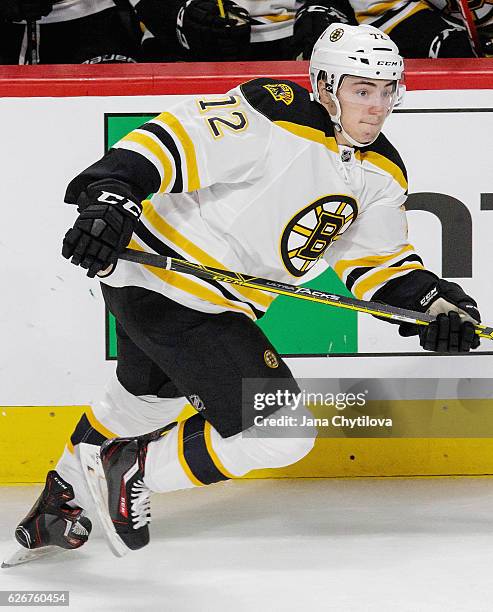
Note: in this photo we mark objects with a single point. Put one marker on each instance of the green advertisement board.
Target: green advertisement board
(294, 327)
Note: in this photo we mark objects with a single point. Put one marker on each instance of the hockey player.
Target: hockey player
(266, 179)
(195, 30)
(419, 28)
(481, 14)
(69, 31)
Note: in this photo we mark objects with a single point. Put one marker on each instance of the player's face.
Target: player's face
(365, 104)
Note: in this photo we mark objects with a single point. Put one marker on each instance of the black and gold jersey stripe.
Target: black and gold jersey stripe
(169, 146)
(189, 285)
(166, 145)
(290, 107)
(196, 454)
(89, 429)
(385, 156)
(387, 15)
(357, 273)
(159, 226)
(365, 276)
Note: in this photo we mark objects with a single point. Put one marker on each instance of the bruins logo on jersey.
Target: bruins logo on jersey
(336, 35)
(310, 232)
(270, 359)
(281, 92)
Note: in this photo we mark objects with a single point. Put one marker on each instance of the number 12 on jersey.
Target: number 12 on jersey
(235, 121)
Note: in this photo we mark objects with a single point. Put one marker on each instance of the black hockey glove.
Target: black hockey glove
(315, 17)
(29, 10)
(208, 36)
(456, 312)
(108, 214)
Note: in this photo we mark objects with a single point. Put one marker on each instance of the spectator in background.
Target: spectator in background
(68, 31)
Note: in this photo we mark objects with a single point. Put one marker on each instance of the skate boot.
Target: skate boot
(123, 461)
(51, 521)
(51, 524)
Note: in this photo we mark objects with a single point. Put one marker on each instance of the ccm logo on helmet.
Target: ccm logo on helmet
(384, 63)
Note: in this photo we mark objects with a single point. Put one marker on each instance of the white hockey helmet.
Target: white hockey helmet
(357, 51)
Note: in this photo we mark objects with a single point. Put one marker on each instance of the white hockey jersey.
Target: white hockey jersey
(271, 19)
(66, 10)
(388, 14)
(254, 182)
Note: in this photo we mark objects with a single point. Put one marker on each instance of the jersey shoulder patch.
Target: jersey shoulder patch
(276, 99)
(279, 100)
(383, 154)
(289, 106)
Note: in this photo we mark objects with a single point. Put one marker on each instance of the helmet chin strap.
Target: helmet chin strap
(336, 120)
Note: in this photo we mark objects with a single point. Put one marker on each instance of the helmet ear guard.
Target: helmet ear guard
(363, 51)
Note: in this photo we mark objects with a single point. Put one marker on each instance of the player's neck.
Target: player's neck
(341, 139)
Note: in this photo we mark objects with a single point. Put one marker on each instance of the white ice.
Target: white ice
(396, 545)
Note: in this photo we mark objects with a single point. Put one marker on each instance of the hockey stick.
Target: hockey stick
(220, 6)
(470, 24)
(32, 42)
(304, 293)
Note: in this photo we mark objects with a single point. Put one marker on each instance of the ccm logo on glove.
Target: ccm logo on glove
(108, 215)
(428, 297)
(456, 314)
(113, 198)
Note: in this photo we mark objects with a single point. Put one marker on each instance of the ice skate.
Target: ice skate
(124, 508)
(51, 526)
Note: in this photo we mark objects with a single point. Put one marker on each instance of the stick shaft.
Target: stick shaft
(32, 42)
(304, 293)
(470, 24)
(220, 6)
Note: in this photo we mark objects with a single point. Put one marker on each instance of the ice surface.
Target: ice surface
(396, 545)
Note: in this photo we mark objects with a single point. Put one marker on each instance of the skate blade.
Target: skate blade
(96, 481)
(26, 555)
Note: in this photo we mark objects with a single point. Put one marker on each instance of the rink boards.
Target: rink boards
(35, 436)
(57, 337)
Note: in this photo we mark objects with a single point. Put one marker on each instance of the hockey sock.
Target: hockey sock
(118, 413)
(194, 454)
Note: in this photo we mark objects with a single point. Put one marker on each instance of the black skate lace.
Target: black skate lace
(140, 505)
